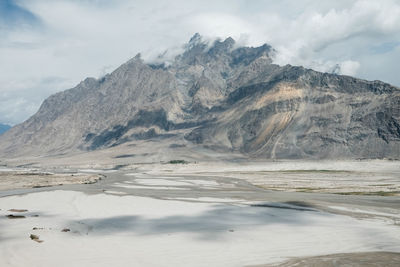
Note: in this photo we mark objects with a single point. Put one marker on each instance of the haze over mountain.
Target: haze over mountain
(221, 97)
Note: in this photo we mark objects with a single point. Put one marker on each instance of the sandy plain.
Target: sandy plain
(206, 214)
(25, 178)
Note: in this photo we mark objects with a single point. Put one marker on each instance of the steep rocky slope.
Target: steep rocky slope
(223, 97)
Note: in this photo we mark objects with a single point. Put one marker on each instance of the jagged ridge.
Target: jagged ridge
(220, 96)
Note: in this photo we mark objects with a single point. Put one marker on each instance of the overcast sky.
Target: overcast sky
(50, 45)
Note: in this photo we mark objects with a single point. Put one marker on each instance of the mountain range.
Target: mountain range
(220, 97)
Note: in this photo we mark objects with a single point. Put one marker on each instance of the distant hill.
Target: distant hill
(4, 128)
(221, 97)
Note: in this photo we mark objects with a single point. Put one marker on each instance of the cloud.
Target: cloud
(308, 39)
(12, 15)
(71, 39)
(349, 67)
(385, 47)
(21, 98)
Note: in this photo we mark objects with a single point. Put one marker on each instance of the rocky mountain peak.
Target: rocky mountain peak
(222, 47)
(220, 96)
(131, 66)
(136, 59)
(194, 50)
(202, 52)
(88, 82)
(196, 39)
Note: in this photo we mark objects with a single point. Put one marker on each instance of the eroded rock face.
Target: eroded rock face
(221, 97)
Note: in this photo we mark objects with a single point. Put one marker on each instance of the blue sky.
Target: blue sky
(13, 15)
(51, 45)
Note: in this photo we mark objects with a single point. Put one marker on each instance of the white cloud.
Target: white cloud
(349, 67)
(307, 37)
(21, 98)
(76, 39)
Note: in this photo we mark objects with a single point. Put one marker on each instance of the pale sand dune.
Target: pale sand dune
(108, 230)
